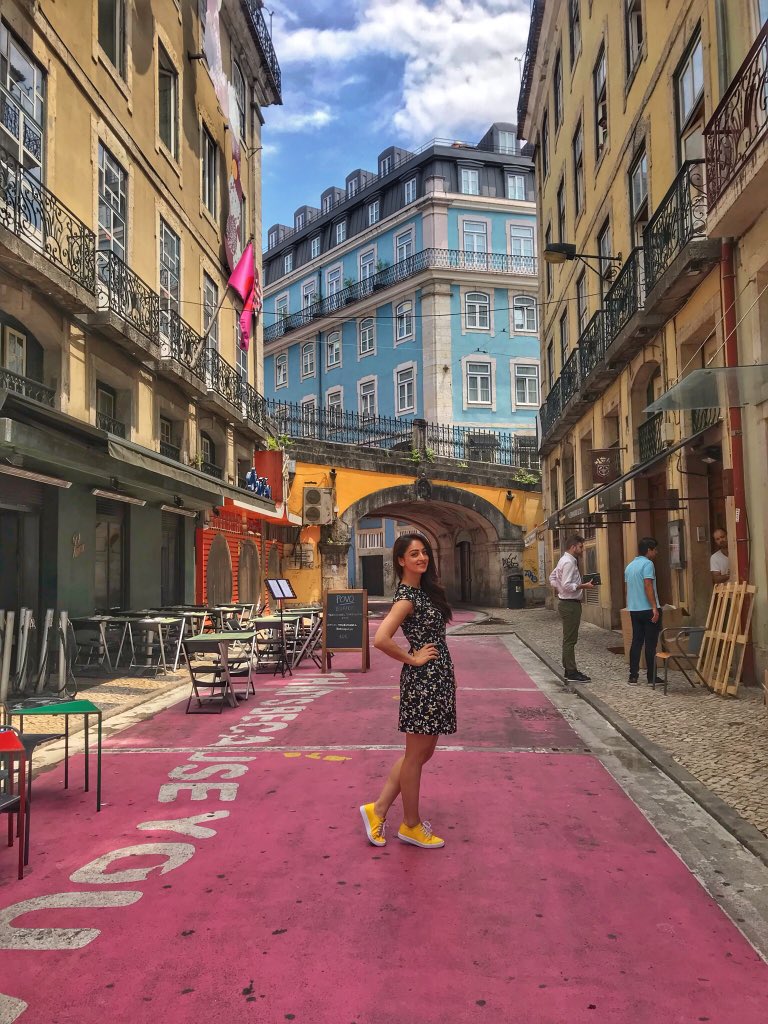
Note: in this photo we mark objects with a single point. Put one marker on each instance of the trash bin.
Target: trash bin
(515, 592)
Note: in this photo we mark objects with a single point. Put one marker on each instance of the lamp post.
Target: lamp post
(562, 252)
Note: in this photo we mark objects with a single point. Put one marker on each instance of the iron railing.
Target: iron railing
(110, 424)
(210, 470)
(681, 216)
(123, 293)
(253, 10)
(570, 377)
(10, 381)
(170, 451)
(477, 444)
(296, 420)
(740, 121)
(551, 409)
(626, 295)
(255, 405)
(650, 440)
(222, 378)
(701, 419)
(182, 343)
(34, 214)
(593, 343)
(426, 259)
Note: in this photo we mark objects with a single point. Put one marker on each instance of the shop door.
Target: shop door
(248, 573)
(172, 560)
(465, 570)
(109, 556)
(218, 573)
(373, 574)
(657, 497)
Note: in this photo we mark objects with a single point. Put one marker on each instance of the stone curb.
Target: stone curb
(747, 834)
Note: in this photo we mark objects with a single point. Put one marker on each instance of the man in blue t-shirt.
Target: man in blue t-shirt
(644, 608)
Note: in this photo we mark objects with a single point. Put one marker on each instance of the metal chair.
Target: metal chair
(210, 675)
(14, 803)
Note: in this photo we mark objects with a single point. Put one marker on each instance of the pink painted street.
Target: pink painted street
(228, 877)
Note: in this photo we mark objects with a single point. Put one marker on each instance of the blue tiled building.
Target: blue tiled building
(411, 292)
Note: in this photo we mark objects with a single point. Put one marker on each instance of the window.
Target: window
(521, 243)
(633, 28)
(106, 400)
(374, 212)
(272, 239)
(574, 28)
(578, 169)
(238, 83)
(478, 383)
(113, 207)
(470, 181)
(601, 103)
(15, 352)
(333, 350)
(524, 311)
(333, 401)
(210, 172)
(545, 146)
(563, 339)
(404, 390)
(208, 451)
(475, 236)
(404, 321)
(210, 312)
(166, 431)
(507, 142)
(604, 252)
(298, 222)
(367, 337)
(308, 293)
(557, 90)
(561, 229)
(314, 248)
(242, 356)
(516, 186)
(308, 360)
(281, 308)
(22, 114)
(367, 267)
(638, 196)
(366, 394)
(244, 232)
(370, 539)
(550, 364)
(308, 417)
(526, 384)
(167, 101)
(170, 276)
(327, 204)
(477, 309)
(112, 32)
(333, 281)
(410, 191)
(385, 166)
(352, 188)
(288, 263)
(341, 232)
(281, 371)
(403, 246)
(548, 266)
(689, 82)
(582, 308)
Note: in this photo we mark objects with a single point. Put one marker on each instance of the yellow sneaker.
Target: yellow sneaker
(374, 825)
(420, 835)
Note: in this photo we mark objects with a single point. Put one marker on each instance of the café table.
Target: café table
(149, 625)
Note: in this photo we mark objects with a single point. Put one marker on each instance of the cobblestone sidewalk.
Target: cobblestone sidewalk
(722, 742)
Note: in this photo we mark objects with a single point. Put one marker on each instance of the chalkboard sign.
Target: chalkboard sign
(345, 624)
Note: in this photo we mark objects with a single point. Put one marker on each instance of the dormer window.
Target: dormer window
(298, 221)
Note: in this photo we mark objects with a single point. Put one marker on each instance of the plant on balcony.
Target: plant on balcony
(414, 455)
(526, 476)
(278, 443)
(197, 460)
(381, 265)
(349, 282)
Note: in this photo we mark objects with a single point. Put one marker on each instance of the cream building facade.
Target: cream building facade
(119, 372)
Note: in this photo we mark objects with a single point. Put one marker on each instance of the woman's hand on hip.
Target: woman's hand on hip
(427, 653)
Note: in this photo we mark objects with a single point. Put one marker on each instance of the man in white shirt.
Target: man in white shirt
(566, 579)
(719, 563)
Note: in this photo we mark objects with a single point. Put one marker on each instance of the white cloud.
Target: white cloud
(283, 119)
(459, 72)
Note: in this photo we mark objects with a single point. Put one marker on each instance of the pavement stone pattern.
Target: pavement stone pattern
(723, 742)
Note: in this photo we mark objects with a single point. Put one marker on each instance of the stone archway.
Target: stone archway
(447, 514)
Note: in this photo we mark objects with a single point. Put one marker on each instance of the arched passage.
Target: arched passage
(475, 543)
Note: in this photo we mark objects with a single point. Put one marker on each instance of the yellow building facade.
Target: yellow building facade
(130, 181)
(616, 98)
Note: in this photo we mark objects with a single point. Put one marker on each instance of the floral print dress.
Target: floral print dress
(427, 692)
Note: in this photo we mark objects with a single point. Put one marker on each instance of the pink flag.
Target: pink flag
(245, 322)
(242, 277)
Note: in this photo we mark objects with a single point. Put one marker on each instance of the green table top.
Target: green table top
(221, 638)
(65, 707)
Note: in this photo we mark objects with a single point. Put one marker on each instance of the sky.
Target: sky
(361, 75)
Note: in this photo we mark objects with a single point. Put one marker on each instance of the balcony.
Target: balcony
(170, 451)
(703, 419)
(129, 310)
(110, 424)
(427, 259)
(736, 141)
(223, 383)
(26, 387)
(50, 247)
(210, 470)
(263, 39)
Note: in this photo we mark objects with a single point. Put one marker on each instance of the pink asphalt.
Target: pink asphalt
(553, 901)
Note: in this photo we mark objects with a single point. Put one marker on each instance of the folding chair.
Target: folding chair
(308, 641)
(211, 675)
(683, 657)
(270, 649)
(14, 803)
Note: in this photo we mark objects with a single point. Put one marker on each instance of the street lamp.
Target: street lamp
(562, 252)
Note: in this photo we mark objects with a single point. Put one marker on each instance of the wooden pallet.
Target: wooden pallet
(721, 658)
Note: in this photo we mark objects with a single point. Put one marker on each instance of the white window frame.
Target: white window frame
(509, 147)
(314, 247)
(241, 93)
(529, 303)
(308, 415)
(118, 40)
(367, 264)
(210, 312)
(409, 191)
(404, 321)
(327, 204)
(272, 239)
(337, 336)
(366, 382)
(288, 263)
(513, 181)
(473, 311)
(353, 188)
(366, 334)
(240, 354)
(209, 171)
(281, 371)
(374, 212)
(337, 406)
(165, 64)
(334, 279)
(385, 166)
(405, 410)
(341, 232)
(308, 365)
(113, 203)
(308, 292)
(282, 306)
(403, 241)
(469, 181)
(169, 302)
(298, 222)
(9, 334)
(687, 76)
(520, 363)
(478, 359)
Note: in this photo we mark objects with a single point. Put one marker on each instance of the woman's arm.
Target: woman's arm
(383, 641)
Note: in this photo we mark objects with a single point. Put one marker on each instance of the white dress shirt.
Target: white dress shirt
(566, 579)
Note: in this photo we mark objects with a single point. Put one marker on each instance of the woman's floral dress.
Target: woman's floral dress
(427, 692)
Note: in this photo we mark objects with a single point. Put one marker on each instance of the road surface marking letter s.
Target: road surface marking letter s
(175, 855)
(14, 937)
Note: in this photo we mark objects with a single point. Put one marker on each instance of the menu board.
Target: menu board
(345, 624)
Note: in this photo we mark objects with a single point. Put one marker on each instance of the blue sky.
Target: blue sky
(359, 75)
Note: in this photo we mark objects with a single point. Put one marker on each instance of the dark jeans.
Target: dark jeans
(645, 634)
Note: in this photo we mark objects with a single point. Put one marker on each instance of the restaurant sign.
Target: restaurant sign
(606, 465)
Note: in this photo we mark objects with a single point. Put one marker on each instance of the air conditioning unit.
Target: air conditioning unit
(318, 506)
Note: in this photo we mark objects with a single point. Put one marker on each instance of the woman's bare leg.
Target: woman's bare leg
(391, 790)
(418, 750)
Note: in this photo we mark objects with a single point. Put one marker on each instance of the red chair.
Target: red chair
(12, 803)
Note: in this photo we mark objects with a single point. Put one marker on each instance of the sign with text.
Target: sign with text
(345, 625)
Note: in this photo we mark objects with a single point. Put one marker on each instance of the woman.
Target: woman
(427, 687)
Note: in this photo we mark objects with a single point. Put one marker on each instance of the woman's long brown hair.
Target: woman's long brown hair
(430, 581)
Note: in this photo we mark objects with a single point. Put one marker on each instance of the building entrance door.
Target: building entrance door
(657, 497)
(108, 589)
(372, 567)
(465, 570)
(172, 560)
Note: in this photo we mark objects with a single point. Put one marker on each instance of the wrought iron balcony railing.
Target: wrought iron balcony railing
(740, 121)
(680, 217)
(650, 439)
(427, 259)
(10, 381)
(170, 451)
(593, 343)
(182, 343)
(570, 378)
(550, 411)
(123, 293)
(211, 470)
(222, 378)
(110, 424)
(703, 418)
(33, 213)
(476, 444)
(253, 11)
(255, 405)
(626, 295)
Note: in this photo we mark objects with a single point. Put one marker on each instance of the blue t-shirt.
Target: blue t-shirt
(635, 574)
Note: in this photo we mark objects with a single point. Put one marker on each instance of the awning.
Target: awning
(157, 471)
(716, 387)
